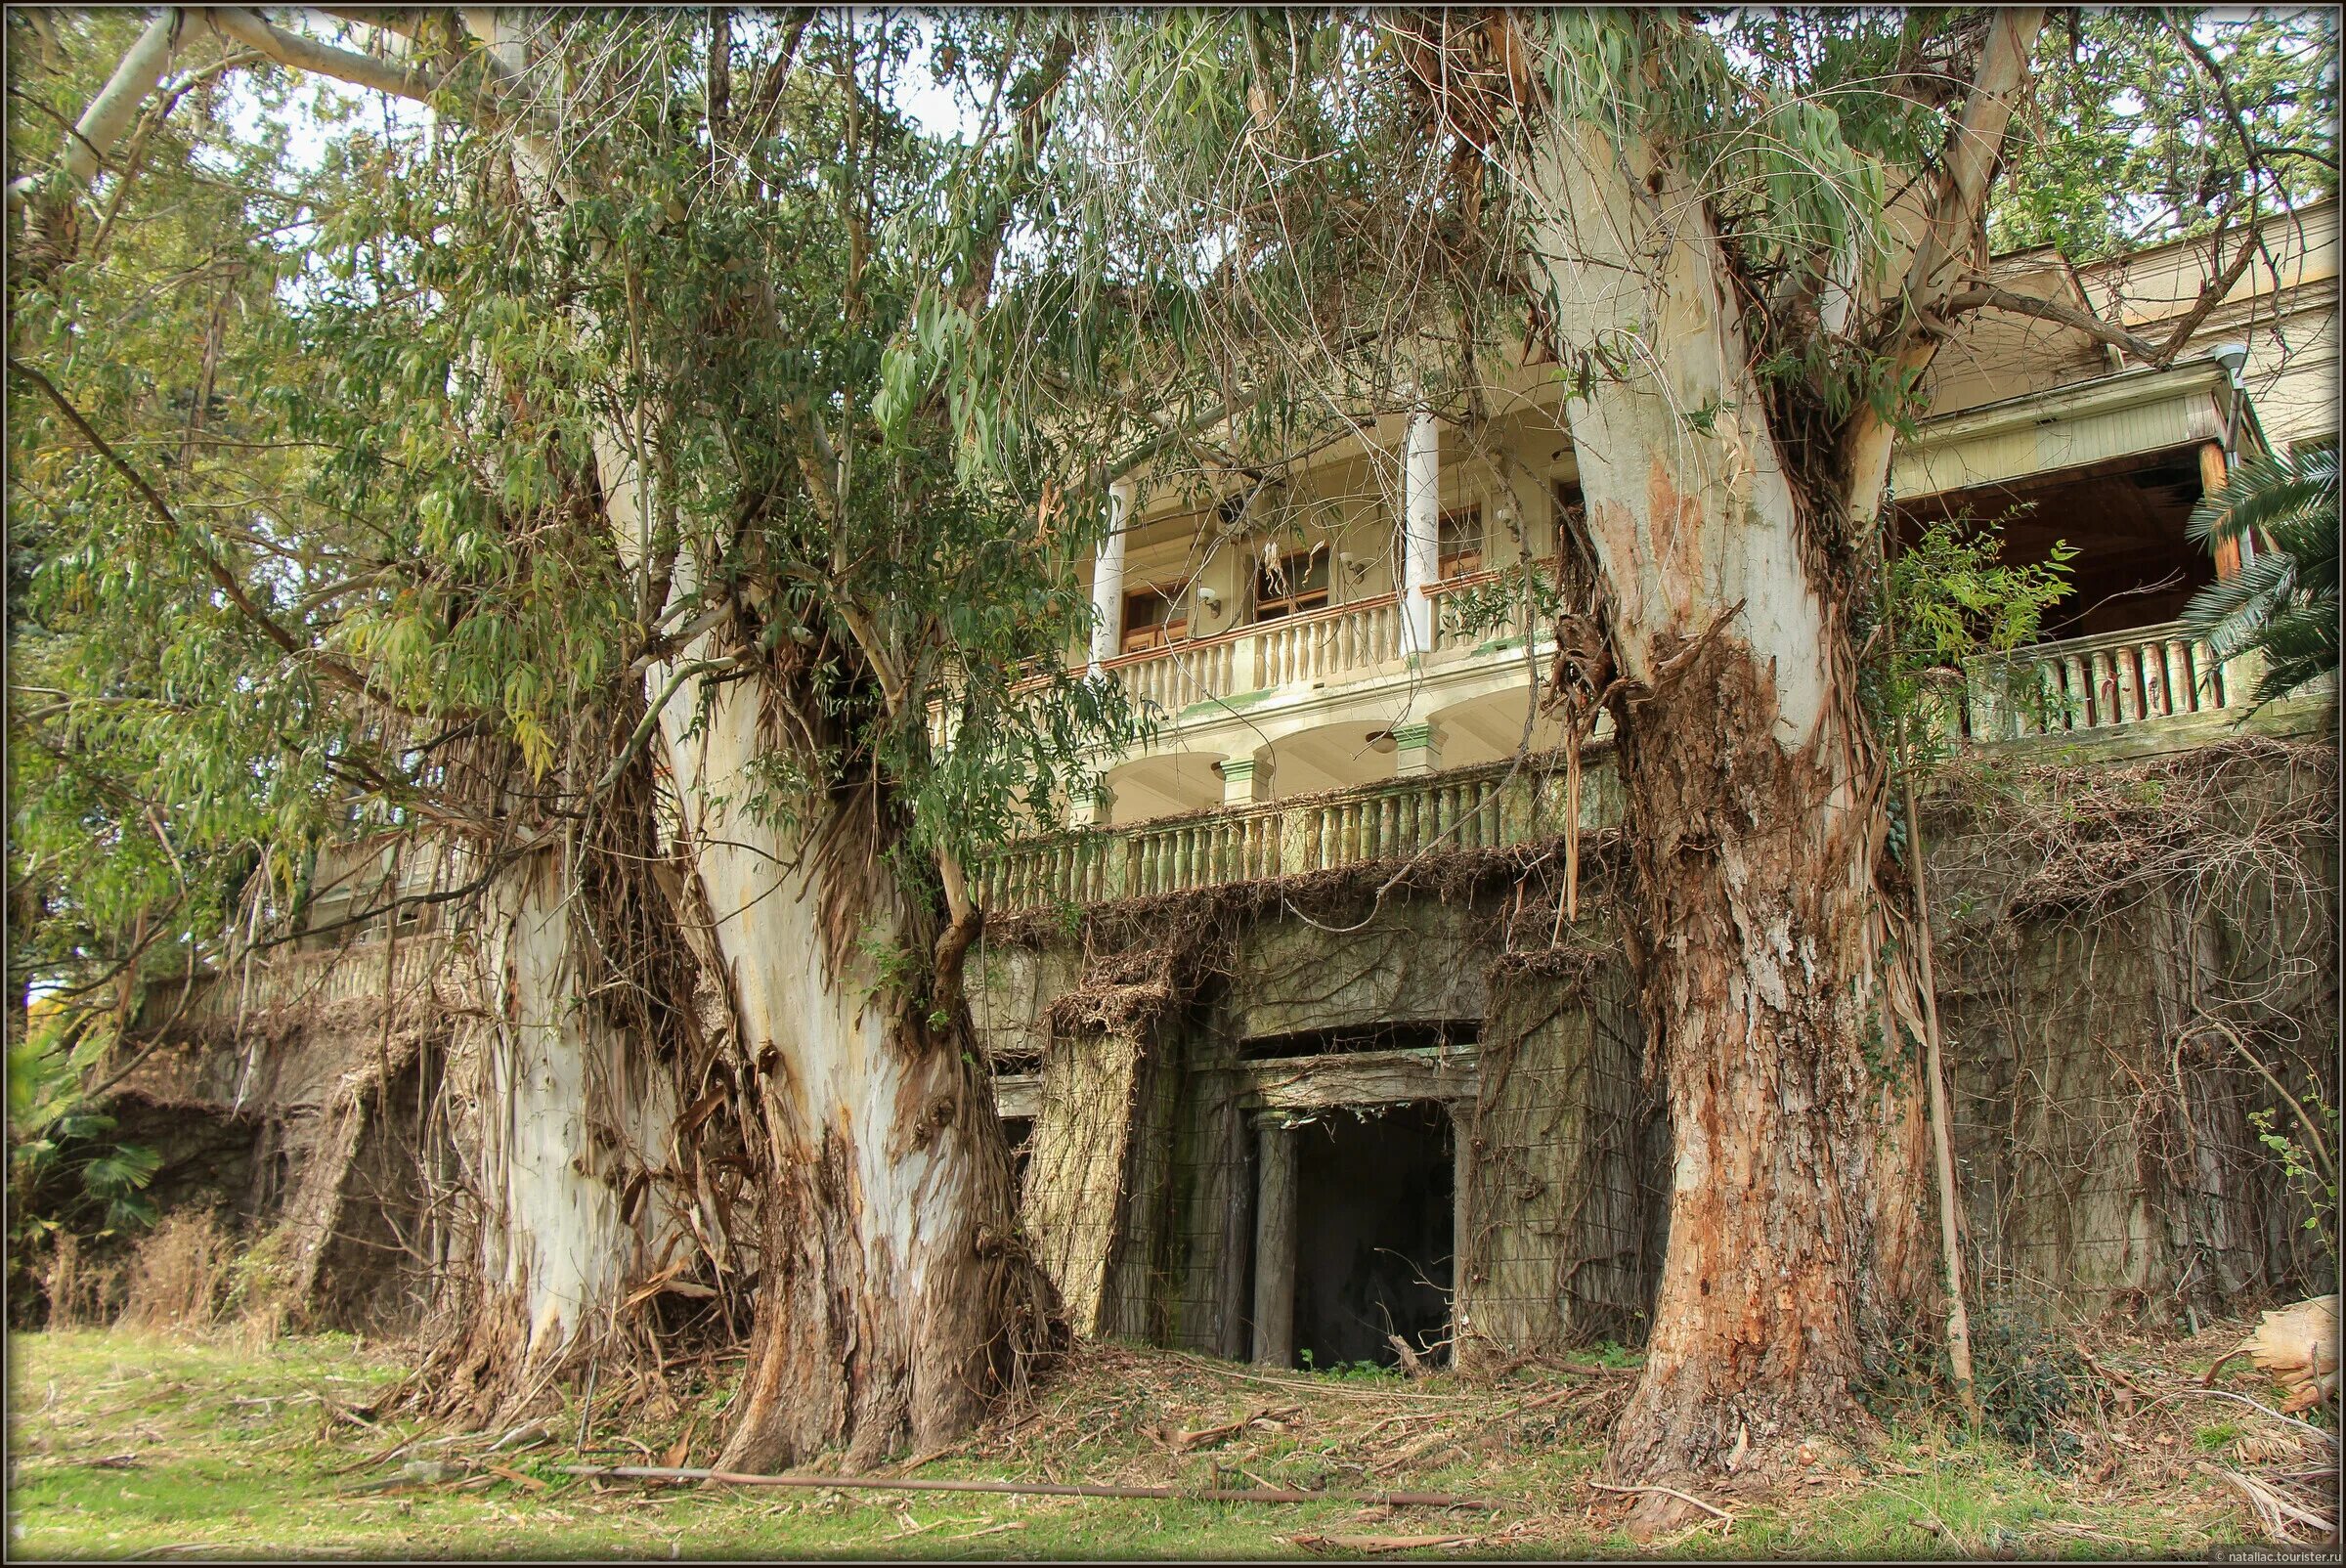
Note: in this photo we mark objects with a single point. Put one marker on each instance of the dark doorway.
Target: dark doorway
(1372, 1235)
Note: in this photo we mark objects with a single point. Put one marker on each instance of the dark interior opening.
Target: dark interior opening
(2125, 518)
(1427, 1035)
(1372, 1236)
(1018, 1133)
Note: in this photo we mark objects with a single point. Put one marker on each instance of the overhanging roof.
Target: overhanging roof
(2140, 411)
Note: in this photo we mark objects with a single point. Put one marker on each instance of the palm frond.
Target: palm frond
(2300, 646)
(2230, 611)
(2284, 601)
(2270, 493)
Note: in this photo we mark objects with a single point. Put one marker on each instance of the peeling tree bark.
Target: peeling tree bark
(562, 1100)
(1755, 812)
(1754, 835)
(894, 1298)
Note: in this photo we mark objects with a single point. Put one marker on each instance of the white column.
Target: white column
(1421, 529)
(1093, 806)
(1108, 577)
(1417, 750)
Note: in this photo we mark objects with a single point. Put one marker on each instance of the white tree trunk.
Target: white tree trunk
(886, 1282)
(1689, 510)
(564, 1108)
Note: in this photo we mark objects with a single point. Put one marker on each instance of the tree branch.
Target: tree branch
(1957, 208)
(113, 111)
(651, 717)
(2224, 99)
(297, 53)
(1987, 296)
(216, 569)
(2214, 292)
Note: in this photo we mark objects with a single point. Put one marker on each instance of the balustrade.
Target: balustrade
(1294, 651)
(1308, 648)
(1467, 808)
(2100, 682)
(309, 980)
(2084, 684)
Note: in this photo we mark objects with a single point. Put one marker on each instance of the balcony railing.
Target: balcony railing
(2100, 682)
(281, 980)
(1449, 635)
(1294, 650)
(1488, 807)
(2081, 685)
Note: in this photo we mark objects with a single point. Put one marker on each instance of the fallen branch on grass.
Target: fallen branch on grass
(2110, 1373)
(1039, 1489)
(1669, 1492)
(1275, 1420)
(1375, 1543)
(2272, 1509)
(2255, 1405)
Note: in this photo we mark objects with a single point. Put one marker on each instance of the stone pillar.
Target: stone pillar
(1420, 531)
(1246, 779)
(1274, 1247)
(1091, 808)
(1108, 578)
(1416, 750)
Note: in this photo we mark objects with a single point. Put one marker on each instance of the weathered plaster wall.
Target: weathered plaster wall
(2092, 916)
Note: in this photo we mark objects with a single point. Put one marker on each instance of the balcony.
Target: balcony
(285, 980)
(1345, 644)
(1496, 805)
(2150, 688)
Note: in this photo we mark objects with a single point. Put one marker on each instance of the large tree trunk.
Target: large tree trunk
(1798, 1173)
(1754, 823)
(563, 1089)
(567, 1108)
(894, 1297)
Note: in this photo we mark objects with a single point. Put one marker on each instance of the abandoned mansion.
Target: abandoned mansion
(1306, 1054)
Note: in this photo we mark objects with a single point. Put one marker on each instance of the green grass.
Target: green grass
(127, 1444)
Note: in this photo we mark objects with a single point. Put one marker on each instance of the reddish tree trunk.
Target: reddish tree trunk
(1799, 1176)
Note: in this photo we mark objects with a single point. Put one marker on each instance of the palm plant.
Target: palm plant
(2283, 602)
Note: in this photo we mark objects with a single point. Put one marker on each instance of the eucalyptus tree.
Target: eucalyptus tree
(173, 745)
(1738, 239)
(238, 633)
(669, 360)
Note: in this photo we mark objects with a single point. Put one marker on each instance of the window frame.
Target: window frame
(1303, 599)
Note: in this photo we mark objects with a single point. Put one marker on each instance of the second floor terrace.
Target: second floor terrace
(1342, 618)
(1375, 619)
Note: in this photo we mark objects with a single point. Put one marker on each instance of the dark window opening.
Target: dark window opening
(2125, 518)
(1291, 585)
(1374, 1236)
(1459, 541)
(1152, 619)
(1572, 508)
(1427, 1035)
